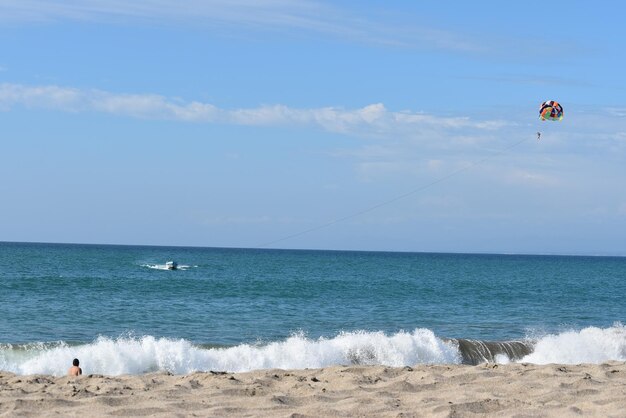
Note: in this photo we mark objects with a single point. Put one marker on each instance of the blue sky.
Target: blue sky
(369, 125)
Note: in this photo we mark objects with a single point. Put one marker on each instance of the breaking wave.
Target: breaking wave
(138, 355)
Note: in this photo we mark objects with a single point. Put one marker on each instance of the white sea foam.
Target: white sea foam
(137, 355)
(133, 355)
(589, 345)
(502, 359)
(164, 266)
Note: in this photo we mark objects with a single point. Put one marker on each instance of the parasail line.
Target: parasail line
(394, 199)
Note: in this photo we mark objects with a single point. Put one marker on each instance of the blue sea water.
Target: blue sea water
(120, 311)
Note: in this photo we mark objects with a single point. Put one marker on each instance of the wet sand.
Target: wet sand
(519, 390)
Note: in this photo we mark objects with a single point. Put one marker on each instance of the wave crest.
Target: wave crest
(138, 355)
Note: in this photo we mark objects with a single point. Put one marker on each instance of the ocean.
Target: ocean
(120, 311)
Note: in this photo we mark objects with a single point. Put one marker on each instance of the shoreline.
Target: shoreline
(432, 390)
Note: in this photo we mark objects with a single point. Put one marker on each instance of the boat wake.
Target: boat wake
(167, 267)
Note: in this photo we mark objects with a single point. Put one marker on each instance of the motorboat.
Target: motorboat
(171, 265)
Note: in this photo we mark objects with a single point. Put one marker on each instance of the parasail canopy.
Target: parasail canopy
(550, 110)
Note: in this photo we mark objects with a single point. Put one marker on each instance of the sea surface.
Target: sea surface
(120, 311)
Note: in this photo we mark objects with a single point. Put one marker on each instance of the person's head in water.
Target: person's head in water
(75, 362)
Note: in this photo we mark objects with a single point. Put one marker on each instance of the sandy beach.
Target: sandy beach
(425, 390)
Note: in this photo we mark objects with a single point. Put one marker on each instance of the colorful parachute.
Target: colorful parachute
(550, 110)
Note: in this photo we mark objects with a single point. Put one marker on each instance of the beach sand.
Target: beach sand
(520, 390)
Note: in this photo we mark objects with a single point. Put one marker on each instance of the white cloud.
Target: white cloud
(434, 165)
(271, 15)
(617, 111)
(272, 11)
(374, 118)
(532, 178)
(399, 143)
(63, 98)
